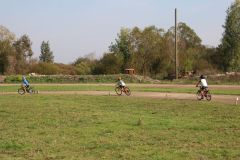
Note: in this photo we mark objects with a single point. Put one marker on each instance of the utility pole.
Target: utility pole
(176, 45)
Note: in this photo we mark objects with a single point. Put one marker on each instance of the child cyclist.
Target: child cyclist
(203, 84)
(25, 83)
(120, 83)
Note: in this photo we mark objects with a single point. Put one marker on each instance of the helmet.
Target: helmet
(202, 77)
(119, 78)
(23, 77)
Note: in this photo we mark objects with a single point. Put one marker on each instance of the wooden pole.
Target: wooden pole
(176, 46)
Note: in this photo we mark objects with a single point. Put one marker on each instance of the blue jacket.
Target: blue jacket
(24, 81)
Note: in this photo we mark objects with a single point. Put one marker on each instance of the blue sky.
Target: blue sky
(75, 28)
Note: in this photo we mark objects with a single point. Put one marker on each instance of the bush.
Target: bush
(45, 68)
(13, 79)
(66, 69)
(79, 79)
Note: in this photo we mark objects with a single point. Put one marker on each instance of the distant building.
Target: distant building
(130, 71)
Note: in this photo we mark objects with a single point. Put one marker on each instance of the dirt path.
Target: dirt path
(215, 98)
(227, 87)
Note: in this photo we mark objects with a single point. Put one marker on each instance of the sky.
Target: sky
(75, 28)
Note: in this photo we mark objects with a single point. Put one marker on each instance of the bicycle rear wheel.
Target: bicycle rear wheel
(208, 96)
(21, 91)
(127, 91)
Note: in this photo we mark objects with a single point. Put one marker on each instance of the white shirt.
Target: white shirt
(121, 83)
(204, 83)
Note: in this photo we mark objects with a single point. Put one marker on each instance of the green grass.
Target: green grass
(111, 88)
(108, 127)
(13, 88)
(187, 90)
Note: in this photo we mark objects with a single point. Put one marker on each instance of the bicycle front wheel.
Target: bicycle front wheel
(118, 90)
(199, 95)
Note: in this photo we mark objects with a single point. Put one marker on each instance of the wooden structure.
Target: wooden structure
(130, 71)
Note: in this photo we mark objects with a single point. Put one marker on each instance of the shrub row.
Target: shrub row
(223, 79)
(77, 79)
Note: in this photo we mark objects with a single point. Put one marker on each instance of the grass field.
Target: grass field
(139, 88)
(106, 127)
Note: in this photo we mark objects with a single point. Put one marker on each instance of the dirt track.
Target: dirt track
(232, 87)
(216, 98)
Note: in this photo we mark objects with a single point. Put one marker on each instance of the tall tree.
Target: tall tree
(24, 47)
(23, 53)
(230, 47)
(122, 47)
(7, 58)
(147, 49)
(7, 51)
(46, 54)
(189, 46)
(6, 35)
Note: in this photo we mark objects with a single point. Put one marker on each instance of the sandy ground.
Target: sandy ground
(227, 99)
(217, 98)
(230, 87)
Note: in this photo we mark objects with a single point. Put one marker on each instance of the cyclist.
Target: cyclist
(121, 83)
(203, 84)
(25, 83)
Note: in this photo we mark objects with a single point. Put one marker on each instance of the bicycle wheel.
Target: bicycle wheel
(30, 90)
(118, 90)
(208, 96)
(21, 91)
(199, 95)
(127, 91)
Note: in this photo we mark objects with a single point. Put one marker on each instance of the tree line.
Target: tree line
(16, 53)
(150, 51)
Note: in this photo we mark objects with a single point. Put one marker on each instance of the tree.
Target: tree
(151, 51)
(6, 35)
(85, 65)
(189, 46)
(122, 47)
(46, 54)
(24, 47)
(110, 63)
(7, 51)
(229, 50)
(147, 49)
(7, 58)
(23, 53)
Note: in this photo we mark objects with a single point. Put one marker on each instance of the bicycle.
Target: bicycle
(205, 93)
(119, 90)
(22, 90)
